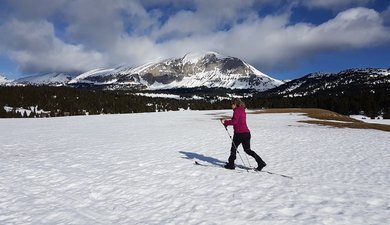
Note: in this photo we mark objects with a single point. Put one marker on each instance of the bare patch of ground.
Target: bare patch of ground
(328, 118)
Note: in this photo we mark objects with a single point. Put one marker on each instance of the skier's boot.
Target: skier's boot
(260, 163)
(260, 166)
(229, 166)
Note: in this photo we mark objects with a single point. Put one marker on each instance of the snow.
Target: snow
(384, 72)
(214, 79)
(258, 73)
(27, 111)
(366, 119)
(144, 67)
(171, 96)
(195, 57)
(50, 78)
(138, 169)
(92, 73)
(159, 95)
(4, 80)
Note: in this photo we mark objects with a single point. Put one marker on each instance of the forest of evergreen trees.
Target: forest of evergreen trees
(371, 101)
(63, 101)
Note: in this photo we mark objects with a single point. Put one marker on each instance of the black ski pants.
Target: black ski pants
(245, 140)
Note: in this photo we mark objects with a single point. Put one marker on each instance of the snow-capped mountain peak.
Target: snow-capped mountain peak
(46, 79)
(207, 69)
(3, 79)
(195, 69)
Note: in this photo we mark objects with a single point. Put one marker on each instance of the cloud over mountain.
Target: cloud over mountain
(72, 36)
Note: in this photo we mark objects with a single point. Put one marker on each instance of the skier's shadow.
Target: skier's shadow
(196, 156)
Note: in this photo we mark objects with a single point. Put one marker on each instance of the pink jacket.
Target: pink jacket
(238, 121)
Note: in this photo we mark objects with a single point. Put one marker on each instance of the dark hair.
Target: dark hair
(238, 102)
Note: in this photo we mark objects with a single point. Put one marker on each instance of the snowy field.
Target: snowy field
(139, 169)
(366, 119)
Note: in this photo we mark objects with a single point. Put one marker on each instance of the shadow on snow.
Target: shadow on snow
(200, 157)
(218, 163)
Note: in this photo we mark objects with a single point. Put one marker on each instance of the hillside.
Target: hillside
(345, 80)
(51, 79)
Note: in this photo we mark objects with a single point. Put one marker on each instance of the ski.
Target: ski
(214, 165)
(208, 165)
(242, 168)
(272, 173)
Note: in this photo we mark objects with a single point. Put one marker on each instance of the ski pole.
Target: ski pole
(234, 145)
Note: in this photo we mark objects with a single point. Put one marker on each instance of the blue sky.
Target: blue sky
(285, 39)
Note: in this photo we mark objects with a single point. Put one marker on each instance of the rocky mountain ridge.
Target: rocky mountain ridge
(210, 70)
(347, 79)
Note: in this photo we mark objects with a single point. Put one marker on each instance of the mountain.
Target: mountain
(345, 80)
(4, 80)
(53, 79)
(209, 69)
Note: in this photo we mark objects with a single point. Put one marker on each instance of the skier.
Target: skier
(242, 135)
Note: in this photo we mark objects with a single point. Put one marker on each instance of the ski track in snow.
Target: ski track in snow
(138, 169)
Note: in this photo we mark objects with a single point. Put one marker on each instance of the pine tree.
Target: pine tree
(3, 113)
(386, 113)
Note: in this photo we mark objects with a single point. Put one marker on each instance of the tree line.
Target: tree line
(370, 100)
(64, 101)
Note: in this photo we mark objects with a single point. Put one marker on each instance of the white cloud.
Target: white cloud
(182, 24)
(353, 28)
(272, 42)
(34, 47)
(335, 4)
(35, 10)
(209, 16)
(126, 32)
